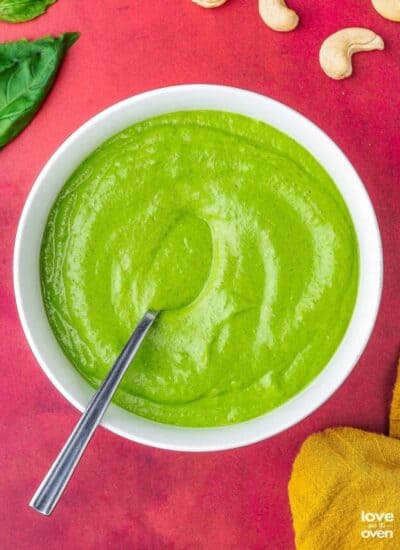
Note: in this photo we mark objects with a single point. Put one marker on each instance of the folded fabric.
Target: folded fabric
(394, 428)
(344, 490)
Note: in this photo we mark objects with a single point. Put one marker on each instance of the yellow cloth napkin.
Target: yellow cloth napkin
(394, 428)
(344, 490)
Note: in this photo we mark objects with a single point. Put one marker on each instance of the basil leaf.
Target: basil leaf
(27, 72)
(16, 11)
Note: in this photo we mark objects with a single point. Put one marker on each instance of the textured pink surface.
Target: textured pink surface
(125, 495)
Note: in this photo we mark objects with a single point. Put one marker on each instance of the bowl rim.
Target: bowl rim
(312, 396)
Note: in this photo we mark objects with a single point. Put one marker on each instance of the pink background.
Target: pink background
(125, 495)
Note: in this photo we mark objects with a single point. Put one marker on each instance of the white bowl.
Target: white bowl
(53, 176)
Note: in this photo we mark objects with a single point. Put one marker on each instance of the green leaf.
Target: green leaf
(16, 11)
(27, 72)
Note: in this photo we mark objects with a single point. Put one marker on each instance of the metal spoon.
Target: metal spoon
(52, 487)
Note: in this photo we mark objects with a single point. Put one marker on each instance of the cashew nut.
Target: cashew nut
(336, 51)
(277, 15)
(389, 9)
(209, 3)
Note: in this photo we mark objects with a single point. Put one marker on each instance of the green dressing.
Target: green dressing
(233, 230)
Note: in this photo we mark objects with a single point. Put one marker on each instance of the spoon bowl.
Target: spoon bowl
(71, 153)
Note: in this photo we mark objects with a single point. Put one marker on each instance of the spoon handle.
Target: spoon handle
(53, 485)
